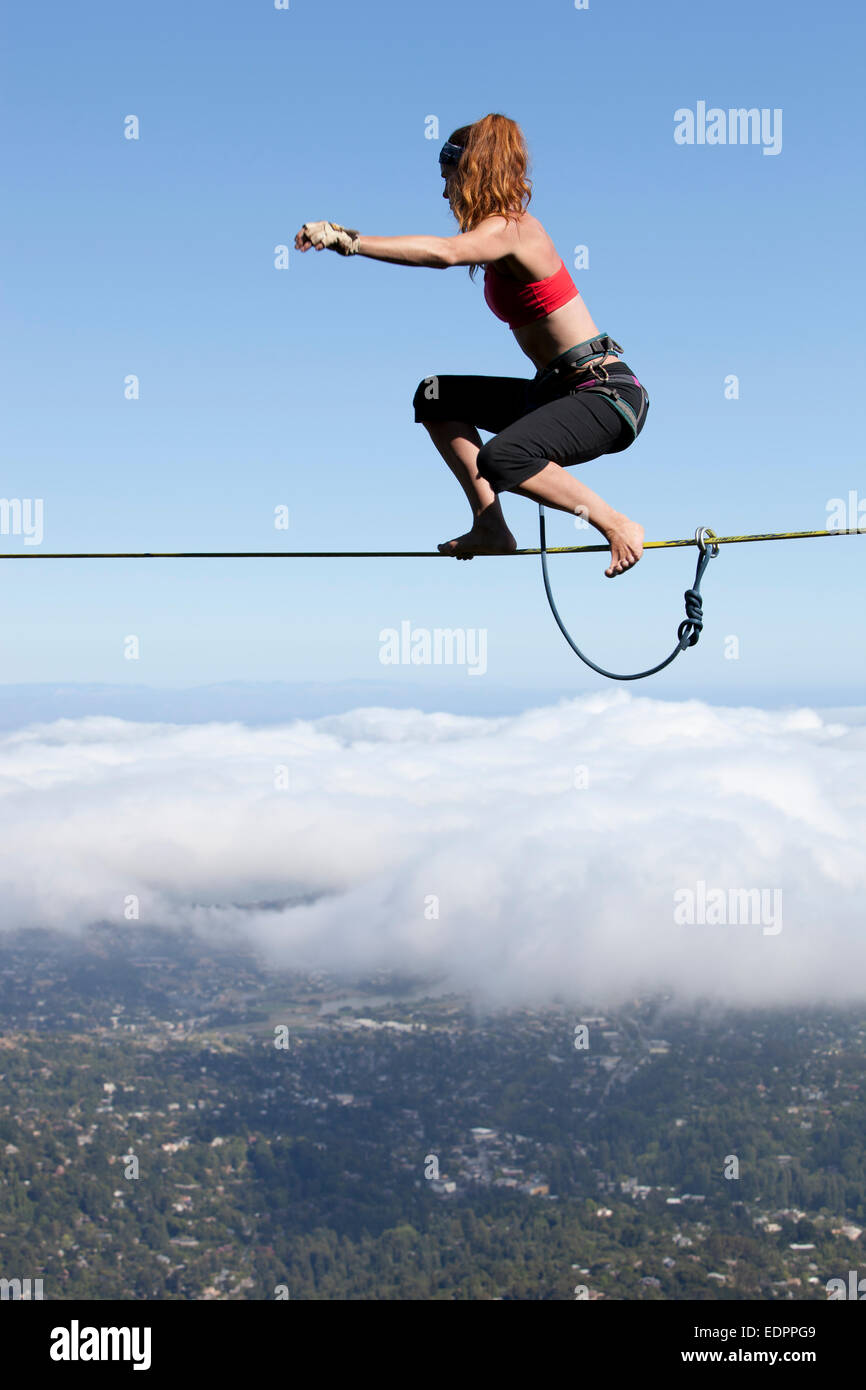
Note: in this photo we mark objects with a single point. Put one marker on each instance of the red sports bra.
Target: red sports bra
(518, 305)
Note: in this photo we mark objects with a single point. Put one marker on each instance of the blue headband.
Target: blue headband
(450, 154)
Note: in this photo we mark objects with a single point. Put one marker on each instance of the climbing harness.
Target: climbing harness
(585, 360)
(689, 629)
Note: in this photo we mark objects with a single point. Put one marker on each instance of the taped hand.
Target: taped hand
(328, 236)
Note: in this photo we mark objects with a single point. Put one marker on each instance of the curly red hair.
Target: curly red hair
(491, 178)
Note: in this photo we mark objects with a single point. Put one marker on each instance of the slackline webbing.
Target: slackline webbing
(385, 554)
(688, 631)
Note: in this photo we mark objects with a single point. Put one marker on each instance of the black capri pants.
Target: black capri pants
(534, 423)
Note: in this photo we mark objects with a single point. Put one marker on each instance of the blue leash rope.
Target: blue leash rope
(689, 629)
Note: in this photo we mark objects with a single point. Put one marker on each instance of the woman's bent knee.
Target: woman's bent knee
(505, 470)
(493, 466)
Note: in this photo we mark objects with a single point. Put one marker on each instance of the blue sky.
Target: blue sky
(262, 387)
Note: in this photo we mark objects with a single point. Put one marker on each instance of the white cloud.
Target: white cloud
(545, 888)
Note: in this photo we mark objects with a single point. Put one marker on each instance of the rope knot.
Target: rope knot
(691, 627)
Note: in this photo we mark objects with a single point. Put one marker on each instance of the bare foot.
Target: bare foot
(485, 538)
(626, 545)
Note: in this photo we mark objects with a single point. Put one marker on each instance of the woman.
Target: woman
(583, 401)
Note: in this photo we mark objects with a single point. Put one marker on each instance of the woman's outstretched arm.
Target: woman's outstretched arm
(407, 250)
(492, 238)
